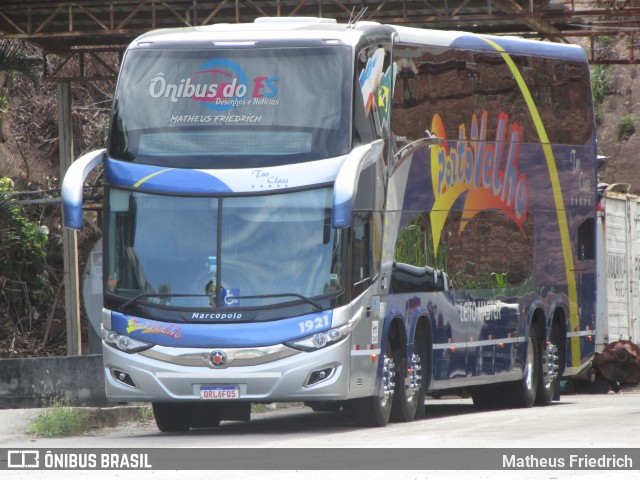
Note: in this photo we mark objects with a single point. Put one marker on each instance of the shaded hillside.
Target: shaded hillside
(617, 126)
(32, 310)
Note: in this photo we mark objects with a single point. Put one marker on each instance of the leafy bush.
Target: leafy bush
(22, 256)
(600, 88)
(627, 127)
(60, 420)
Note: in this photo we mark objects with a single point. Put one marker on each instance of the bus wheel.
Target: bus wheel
(207, 415)
(375, 411)
(173, 417)
(408, 400)
(549, 381)
(523, 392)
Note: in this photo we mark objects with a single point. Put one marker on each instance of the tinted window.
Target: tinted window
(232, 108)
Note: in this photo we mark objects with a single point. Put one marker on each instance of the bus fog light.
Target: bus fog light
(318, 376)
(123, 377)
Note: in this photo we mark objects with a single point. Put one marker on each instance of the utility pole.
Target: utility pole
(69, 237)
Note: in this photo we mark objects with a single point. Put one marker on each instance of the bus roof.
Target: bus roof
(292, 29)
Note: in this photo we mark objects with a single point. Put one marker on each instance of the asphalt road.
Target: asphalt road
(577, 421)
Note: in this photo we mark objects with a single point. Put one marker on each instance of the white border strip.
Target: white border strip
(478, 343)
(363, 352)
(217, 374)
(583, 333)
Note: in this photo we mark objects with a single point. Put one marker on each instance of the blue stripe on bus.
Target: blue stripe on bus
(162, 179)
(221, 335)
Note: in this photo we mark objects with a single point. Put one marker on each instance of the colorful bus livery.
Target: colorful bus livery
(477, 163)
(351, 216)
(230, 92)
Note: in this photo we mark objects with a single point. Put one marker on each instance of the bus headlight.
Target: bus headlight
(323, 339)
(124, 343)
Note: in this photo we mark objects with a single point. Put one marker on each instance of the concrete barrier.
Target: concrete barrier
(35, 382)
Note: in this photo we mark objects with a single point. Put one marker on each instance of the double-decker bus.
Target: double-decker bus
(347, 215)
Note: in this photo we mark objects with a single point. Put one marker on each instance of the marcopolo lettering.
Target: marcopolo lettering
(216, 316)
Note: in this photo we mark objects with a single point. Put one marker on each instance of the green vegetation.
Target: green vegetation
(60, 420)
(4, 105)
(22, 250)
(146, 414)
(600, 88)
(415, 245)
(605, 46)
(500, 280)
(472, 281)
(627, 127)
(259, 408)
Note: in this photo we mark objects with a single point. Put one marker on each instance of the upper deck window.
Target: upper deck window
(236, 108)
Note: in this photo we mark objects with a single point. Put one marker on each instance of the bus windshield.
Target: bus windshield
(217, 252)
(232, 108)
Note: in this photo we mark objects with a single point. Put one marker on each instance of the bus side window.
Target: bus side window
(586, 240)
(374, 83)
(361, 252)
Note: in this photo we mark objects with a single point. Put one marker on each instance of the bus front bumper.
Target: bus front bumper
(267, 374)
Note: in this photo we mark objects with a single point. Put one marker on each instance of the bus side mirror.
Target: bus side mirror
(344, 191)
(429, 140)
(73, 184)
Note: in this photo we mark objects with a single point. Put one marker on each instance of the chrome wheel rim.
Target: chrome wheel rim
(414, 377)
(388, 380)
(551, 365)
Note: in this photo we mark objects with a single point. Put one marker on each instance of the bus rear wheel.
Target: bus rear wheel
(375, 411)
(549, 372)
(408, 400)
(522, 394)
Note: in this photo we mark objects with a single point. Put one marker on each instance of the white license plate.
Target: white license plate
(219, 392)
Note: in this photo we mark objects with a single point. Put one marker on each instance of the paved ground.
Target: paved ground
(577, 421)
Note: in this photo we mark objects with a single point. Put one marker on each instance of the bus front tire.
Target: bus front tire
(375, 411)
(173, 417)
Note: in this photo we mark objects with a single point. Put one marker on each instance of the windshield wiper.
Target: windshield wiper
(135, 299)
(279, 295)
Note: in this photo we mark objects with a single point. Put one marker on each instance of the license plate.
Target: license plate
(222, 392)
